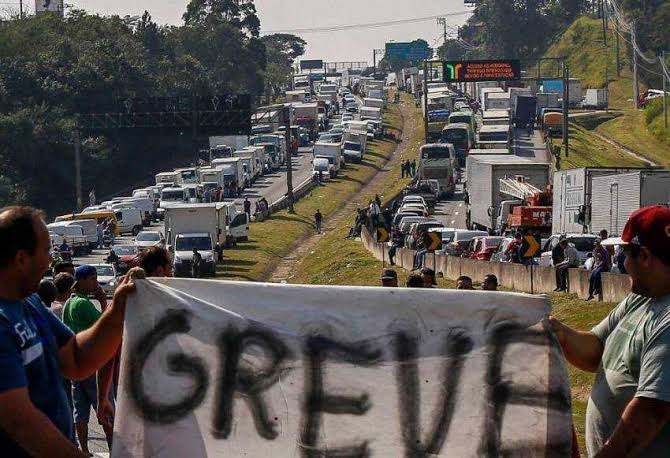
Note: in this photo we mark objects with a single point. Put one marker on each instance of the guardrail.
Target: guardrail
(516, 277)
(280, 204)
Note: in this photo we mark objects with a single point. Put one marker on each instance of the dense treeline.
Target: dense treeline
(525, 28)
(53, 67)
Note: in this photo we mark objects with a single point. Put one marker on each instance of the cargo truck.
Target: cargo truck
(616, 197)
(556, 87)
(375, 103)
(596, 99)
(233, 141)
(233, 171)
(497, 101)
(483, 175)
(573, 197)
(252, 169)
(545, 101)
(332, 152)
(484, 93)
(354, 143)
(167, 178)
(371, 113)
(525, 108)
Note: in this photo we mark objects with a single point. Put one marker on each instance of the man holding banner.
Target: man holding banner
(629, 405)
(36, 349)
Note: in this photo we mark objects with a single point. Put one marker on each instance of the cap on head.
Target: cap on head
(649, 227)
(389, 274)
(83, 272)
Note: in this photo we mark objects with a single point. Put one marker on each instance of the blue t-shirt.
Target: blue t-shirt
(30, 337)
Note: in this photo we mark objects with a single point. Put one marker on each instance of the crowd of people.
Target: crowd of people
(59, 351)
(408, 169)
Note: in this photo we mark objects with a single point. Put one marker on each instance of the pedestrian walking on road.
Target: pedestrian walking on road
(196, 263)
(629, 351)
(318, 219)
(247, 207)
(36, 418)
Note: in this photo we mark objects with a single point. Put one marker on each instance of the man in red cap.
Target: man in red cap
(629, 406)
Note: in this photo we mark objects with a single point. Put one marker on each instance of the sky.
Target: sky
(340, 46)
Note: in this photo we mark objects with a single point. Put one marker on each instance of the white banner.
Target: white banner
(245, 369)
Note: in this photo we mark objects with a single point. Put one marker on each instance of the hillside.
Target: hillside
(641, 131)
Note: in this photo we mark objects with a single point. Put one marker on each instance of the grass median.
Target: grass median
(274, 238)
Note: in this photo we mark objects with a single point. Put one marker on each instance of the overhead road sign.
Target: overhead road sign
(481, 70)
(530, 246)
(311, 64)
(415, 51)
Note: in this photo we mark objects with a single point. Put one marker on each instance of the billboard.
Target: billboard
(55, 6)
(481, 70)
(311, 65)
(415, 51)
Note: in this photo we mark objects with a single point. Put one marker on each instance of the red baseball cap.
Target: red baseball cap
(649, 227)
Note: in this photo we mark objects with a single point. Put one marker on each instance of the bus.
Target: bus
(436, 162)
(461, 137)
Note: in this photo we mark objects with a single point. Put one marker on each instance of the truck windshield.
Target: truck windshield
(188, 243)
(331, 160)
(187, 175)
(456, 136)
(351, 146)
(172, 195)
(221, 152)
(459, 119)
(435, 153)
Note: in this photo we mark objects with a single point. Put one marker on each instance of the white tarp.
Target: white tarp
(245, 369)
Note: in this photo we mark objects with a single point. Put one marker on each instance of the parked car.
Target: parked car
(414, 199)
(148, 239)
(500, 254)
(482, 248)
(414, 207)
(106, 278)
(461, 240)
(406, 223)
(584, 243)
(128, 257)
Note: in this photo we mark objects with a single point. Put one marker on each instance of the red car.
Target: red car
(482, 248)
(129, 257)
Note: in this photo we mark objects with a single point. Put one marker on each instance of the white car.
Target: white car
(106, 278)
(584, 243)
(414, 200)
(148, 239)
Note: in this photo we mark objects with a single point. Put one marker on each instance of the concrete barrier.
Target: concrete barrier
(521, 277)
(407, 258)
(578, 282)
(615, 287)
(544, 279)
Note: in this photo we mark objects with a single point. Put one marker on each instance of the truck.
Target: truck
(483, 174)
(168, 178)
(233, 171)
(302, 82)
(306, 115)
(211, 175)
(332, 152)
(220, 152)
(372, 113)
(233, 141)
(514, 93)
(354, 143)
(250, 166)
(572, 199)
(524, 111)
(484, 94)
(437, 161)
(497, 101)
(556, 87)
(531, 209)
(375, 103)
(545, 101)
(494, 137)
(479, 89)
(495, 118)
(616, 197)
(296, 96)
(261, 159)
(596, 99)
(321, 168)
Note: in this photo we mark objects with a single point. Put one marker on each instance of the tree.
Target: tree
(240, 14)
(281, 52)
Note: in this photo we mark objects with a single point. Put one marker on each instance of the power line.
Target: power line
(370, 25)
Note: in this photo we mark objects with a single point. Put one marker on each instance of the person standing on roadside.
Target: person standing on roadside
(629, 406)
(196, 263)
(413, 165)
(80, 314)
(318, 219)
(36, 419)
(247, 207)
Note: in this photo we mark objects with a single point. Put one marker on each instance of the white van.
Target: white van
(143, 204)
(129, 220)
(89, 228)
(74, 234)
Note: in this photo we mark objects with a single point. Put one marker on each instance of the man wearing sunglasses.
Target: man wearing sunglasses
(629, 405)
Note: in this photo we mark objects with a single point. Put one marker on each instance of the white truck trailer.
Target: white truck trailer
(616, 197)
(332, 152)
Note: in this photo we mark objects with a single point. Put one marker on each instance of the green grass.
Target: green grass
(586, 150)
(274, 238)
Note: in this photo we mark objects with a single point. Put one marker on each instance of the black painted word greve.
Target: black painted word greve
(236, 378)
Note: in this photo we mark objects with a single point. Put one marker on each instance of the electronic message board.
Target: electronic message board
(481, 70)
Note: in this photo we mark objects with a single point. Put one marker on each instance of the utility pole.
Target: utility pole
(604, 23)
(21, 9)
(566, 98)
(289, 160)
(618, 59)
(425, 98)
(636, 89)
(665, 91)
(374, 59)
(77, 164)
(443, 22)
